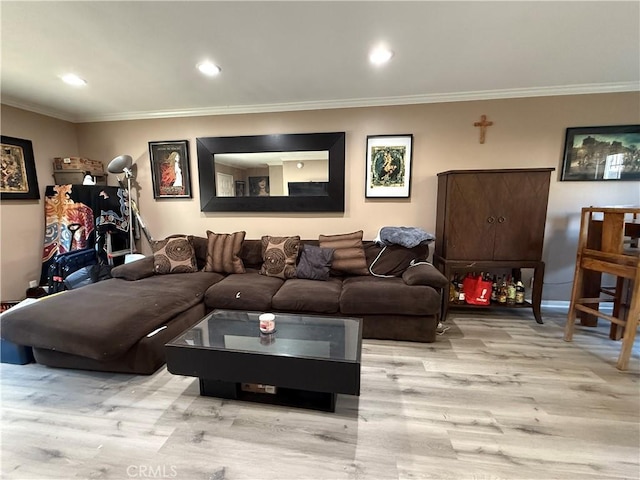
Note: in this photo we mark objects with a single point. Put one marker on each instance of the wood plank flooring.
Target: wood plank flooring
(496, 397)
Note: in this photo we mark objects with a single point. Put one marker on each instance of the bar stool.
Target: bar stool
(609, 257)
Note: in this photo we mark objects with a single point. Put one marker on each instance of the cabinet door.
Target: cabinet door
(470, 217)
(521, 214)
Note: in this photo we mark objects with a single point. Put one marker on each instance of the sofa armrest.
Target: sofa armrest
(137, 270)
(424, 274)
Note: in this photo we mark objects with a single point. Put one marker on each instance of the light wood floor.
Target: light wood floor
(496, 397)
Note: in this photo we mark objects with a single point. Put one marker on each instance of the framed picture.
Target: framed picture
(602, 153)
(388, 166)
(259, 186)
(240, 188)
(224, 185)
(18, 179)
(170, 169)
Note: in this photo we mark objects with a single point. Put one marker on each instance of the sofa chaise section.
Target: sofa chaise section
(108, 323)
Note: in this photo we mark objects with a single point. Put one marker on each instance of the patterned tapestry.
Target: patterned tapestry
(80, 216)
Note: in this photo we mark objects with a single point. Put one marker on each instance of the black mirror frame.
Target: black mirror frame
(334, 142)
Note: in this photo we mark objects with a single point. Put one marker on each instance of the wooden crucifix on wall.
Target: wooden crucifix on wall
(483, 124)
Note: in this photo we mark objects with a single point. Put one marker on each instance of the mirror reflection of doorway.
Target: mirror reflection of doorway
(224, 185)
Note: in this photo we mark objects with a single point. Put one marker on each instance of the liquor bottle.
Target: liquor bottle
(502, 291)
(494, 289)
(519, 292)
(453, 290)
(461, 295)
(511, 291)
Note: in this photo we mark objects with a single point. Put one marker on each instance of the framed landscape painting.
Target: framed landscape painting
(388, 172)
(602, 153)
(18, 179)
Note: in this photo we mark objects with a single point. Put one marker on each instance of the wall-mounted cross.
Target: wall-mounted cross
(483, 124)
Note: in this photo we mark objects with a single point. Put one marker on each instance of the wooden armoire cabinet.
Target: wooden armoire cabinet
(492, 219)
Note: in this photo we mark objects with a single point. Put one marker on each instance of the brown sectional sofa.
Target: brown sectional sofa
(122, 324)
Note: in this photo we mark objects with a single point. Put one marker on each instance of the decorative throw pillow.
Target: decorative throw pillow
(314, 262)
(279, 255)
(223, 252)
(173, 255)
(348, 255)
(137, 270)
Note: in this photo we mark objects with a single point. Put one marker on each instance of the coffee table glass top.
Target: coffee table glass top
(311, 336)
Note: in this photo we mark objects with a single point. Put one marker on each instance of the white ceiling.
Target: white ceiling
(139, 57)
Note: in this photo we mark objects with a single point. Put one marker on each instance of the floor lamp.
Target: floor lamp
(122, 164)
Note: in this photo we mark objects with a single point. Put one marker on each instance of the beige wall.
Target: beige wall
(526, 133)
(22, 221)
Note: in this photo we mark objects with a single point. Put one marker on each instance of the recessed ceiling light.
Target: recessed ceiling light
(73, 79)
(380, 55)
(209, 68)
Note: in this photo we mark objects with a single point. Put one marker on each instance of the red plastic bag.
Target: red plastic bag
(476, 290)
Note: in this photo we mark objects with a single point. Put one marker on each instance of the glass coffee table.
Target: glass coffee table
(306, 362)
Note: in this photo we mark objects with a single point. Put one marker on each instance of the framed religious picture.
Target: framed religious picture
(388, 172)
(18, 179)
(602, 153)
(170, 172)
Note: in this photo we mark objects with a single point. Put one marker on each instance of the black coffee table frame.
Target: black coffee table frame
(309, 382)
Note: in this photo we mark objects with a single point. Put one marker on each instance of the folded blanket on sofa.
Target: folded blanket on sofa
(408, 237)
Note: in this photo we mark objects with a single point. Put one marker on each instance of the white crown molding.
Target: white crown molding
(30, 107)
(337, 104)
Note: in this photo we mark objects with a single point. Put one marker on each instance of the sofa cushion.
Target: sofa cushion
(314, 262)
(393, 259)
(144, 357)
(379, 296)
(173, 255)
(315, 296)
(247, 291)
(279, 255)
(251, 253)
(103, 320)
(223, 250)
(425, 274)
(348, 255)
(200, 246)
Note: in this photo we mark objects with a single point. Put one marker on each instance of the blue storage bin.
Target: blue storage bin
(15, 354)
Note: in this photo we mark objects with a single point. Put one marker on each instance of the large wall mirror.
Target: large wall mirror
(272, 173)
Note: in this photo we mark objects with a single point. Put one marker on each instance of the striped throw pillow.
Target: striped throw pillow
(348, 253)
(223, 252)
